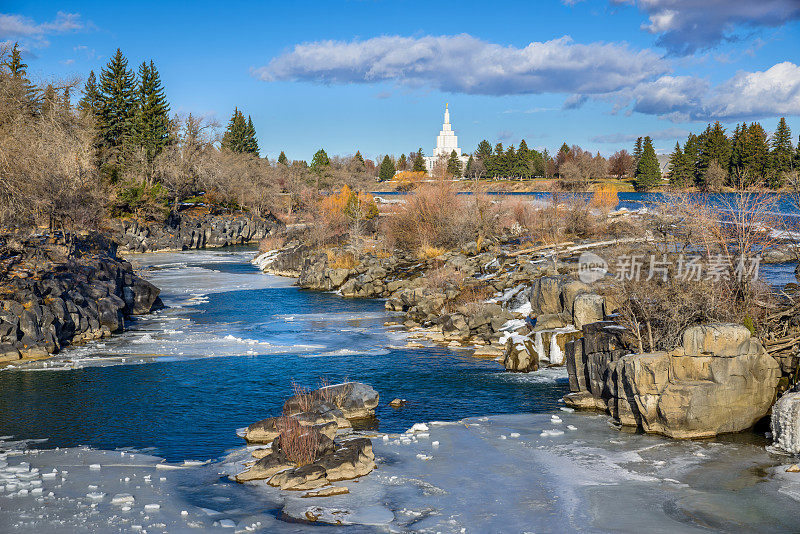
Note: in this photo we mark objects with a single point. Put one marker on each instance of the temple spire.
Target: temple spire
(447, 113)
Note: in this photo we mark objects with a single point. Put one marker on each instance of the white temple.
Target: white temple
(446, 142)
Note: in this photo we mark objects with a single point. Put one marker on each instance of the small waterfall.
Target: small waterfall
(556, 354)
(538, 346)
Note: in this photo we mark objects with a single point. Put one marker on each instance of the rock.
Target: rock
(548, 321)
(263, 431)
(721, 339)
(9, 352)
(587, 308)
(794, 468)
(520, 354)
(145, 297)
(326, 492)
(786, 422)
(720, 381)
(584, 400)
(300, 478)
(265, 468)
(546, 295)
(352, 459)
(569, 291)
(397, 403)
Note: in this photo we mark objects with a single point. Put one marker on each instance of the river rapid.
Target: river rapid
(178, 384)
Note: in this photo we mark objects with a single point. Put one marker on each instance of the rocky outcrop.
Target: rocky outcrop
(720, 380)
(305, 451)
(50, 298)
(190, 230)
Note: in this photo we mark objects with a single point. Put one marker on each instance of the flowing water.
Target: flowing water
(224, 354)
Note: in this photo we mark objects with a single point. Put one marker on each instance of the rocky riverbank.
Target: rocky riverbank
(51, 296)
(528, 310)
(190, 229)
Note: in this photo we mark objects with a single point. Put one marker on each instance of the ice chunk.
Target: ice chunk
(152, 507)
(418, 427)
(95, 496)
(93, 467)
(227, 523)
(122, 498)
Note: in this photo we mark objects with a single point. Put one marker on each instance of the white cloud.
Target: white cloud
(15, 27)
(748, 95)
(685, 26)
(775, 91)
(465, 64)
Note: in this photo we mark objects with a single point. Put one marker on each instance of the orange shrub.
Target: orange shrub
(408, 180)
(605, 198)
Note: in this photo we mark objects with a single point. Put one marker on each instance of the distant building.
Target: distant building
(446, 143)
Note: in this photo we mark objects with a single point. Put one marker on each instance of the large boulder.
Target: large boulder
(546, 295)
(520, 355)
(587, 308)
(355, 400)
(721, 380)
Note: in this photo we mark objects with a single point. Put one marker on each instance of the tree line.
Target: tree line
(749, 157)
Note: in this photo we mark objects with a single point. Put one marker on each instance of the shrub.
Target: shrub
(605, 198)
(298, 442)
(271, 242)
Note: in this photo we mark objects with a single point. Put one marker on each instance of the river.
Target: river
(85, 434)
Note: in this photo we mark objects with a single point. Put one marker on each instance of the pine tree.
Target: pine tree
(755, 156)
(648, 172)
(678, 175)
(419, 162)
(151, 122)
(715, 147)
(470, 169)
(782, 151)
(117, 111)
(637, 152)
(484, 151)
(320, 161)
(250, 141)
(282, 159)
(402, 163)
(454, 165)
(236, 135)
(89, 103)
(25, 92)
(387, 169)
(691, 157)
(738, 148)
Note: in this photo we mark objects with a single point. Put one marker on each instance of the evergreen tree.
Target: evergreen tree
(236, 134)
(24, 89)
(419, 162)
(648, 172)
(484, 151)
(755, 156)
(454, 165)
(497, 162)
(782, 151)
(470, 169)
(691, 156)
(250, 141)
(678, 175)
(320, 161)
(715, 147)
(151, 122)
(282, 159)
(90, 100)
(637, 152)
(117, 111)
(402, 163)
(387, 169)
(738, 147)
(358, 157)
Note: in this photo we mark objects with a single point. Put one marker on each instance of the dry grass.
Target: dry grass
(305, 398)
(298, 442)
(341, 260)
(471, 300)
(441, 278)
(328, 394)
(427, 252)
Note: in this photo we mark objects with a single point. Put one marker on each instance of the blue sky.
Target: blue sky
(374, 75)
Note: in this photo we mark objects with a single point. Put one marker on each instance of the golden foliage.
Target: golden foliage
(408, 180)
(605, 197)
